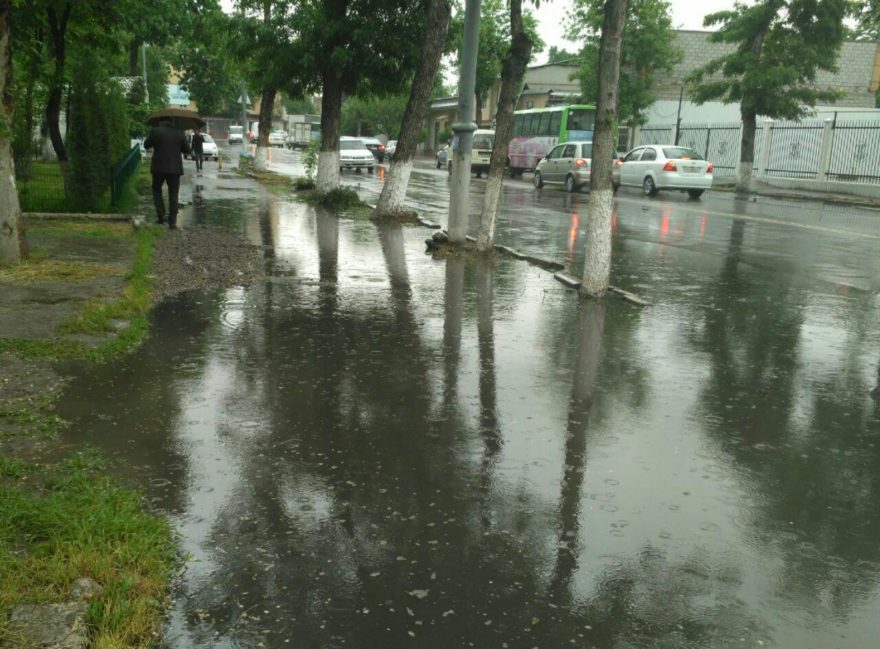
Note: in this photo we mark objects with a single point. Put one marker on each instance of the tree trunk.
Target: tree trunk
(267, 102)
(512, 70)
(11, 235)
(331, 114)
(747, 151)
(597, 263)
(58, 28)
(397, 179)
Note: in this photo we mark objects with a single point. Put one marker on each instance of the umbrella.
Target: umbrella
(180, 117)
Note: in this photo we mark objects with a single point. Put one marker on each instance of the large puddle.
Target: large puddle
(377, 449)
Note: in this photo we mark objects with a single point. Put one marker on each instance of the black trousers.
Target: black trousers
(198, 157)
(173, 181)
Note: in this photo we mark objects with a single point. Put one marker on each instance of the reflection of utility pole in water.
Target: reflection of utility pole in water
(876, 391)
(452, 329)
(591, 326)
(488, 393)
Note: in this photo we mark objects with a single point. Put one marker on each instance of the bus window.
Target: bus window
(517, 125)
(532, 122)
(556, 123)
(544, 128)
(581, 119)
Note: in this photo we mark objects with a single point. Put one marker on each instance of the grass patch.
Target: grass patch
(67, 521)
(337, 200)
(30, 417)
(132, 305)
(87, 229)
(303, 184)
(55, 270)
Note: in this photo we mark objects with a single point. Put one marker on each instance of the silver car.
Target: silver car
(568, 163)
(442, 156)
(659, 167)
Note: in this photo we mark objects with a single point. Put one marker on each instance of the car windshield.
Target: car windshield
(681, 153)
(235, 129)
(483, 142)
(348, 145)
(207, 138)
(587, 150)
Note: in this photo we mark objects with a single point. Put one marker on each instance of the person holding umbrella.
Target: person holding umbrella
(167, 167)
(198, 151)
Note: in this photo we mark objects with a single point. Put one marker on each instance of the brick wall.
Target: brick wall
(856, 65)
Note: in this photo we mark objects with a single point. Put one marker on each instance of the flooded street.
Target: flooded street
(373, 448)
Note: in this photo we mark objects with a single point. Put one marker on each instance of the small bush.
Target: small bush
(303, 184)
(310, 160)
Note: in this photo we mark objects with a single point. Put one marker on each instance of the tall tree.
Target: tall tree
(513, 67)
(495, 39)
(11, 236)
(779, 47)
(559, 55)
(266, 39)
(397, 181)
(597, 263)
(648, 51)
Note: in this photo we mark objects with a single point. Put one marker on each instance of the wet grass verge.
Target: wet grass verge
(125, 317)
(30, 416)
(65, 521)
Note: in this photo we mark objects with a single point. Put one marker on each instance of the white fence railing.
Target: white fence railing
(828, 150)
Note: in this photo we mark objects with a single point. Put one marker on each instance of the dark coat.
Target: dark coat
(168, 144)
(198, 141)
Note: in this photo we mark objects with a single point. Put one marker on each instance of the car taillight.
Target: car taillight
(618, 163)
(710, 169)
(581, 162)
(669, 166)
(381, 148)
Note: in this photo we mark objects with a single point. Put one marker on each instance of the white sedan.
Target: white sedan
(209, 148)
(659, 167)
(354, 154)
(277, 138)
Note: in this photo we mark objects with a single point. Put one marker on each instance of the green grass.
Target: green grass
(30, 417)
(55, 270)
(89, 229)
(63, 522)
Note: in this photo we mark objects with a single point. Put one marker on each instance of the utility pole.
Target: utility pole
(144, 65)
(678, 117)
(244, 98)
(465, 126)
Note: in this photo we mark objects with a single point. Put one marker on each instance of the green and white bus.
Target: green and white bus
(537, 130)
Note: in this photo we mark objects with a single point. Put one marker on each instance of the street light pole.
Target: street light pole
(464, 126)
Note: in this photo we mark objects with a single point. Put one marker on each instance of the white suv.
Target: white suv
(236, 135)
(354, 154)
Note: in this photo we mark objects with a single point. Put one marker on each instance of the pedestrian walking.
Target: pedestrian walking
(198, 142)
(169, 145)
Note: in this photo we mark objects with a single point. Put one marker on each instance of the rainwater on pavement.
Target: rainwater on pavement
(374, 448)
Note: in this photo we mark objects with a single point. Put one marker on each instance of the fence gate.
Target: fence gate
(718, 143)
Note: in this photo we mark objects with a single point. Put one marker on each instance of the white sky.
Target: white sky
(553, 18)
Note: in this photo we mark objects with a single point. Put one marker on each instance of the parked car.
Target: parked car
(236, 135)
(390, 149)
(375, 146)
(568, 163)
(354, 154)
(277, 138)
(659, 167)
(442, 156)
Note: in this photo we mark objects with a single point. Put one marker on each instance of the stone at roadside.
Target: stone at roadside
(85, 589)
(48, 626)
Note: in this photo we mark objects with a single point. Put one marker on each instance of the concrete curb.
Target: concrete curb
(69, 216)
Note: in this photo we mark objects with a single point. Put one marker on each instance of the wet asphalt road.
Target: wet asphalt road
(378, 449)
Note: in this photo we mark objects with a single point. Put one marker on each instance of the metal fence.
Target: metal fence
(855, 152)
(718, 143)
(794, 150)
(847, 151)
(40, 186)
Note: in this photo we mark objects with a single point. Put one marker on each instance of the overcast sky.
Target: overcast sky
(553, 17)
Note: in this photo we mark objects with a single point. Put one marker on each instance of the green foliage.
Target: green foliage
(373, 115)
(301, 105)
(310, 159)
(559, 55)
(779, 47)
(98, 133)
(210, 72)
(648, 51)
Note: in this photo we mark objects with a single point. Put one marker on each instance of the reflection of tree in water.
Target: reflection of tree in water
(814, 479)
